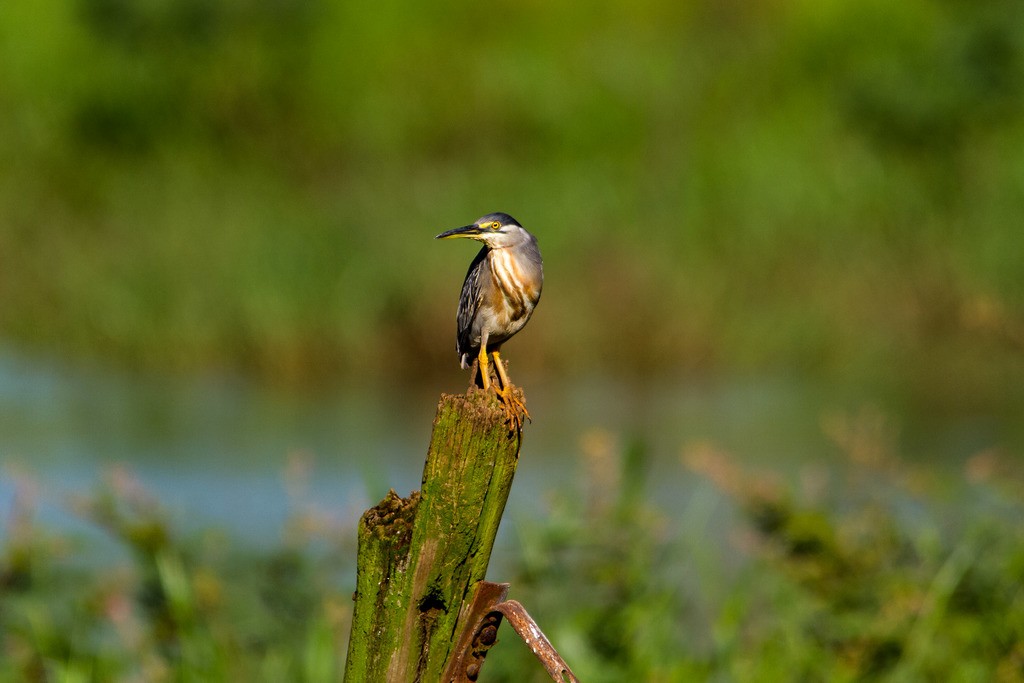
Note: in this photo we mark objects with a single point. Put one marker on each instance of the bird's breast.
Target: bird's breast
(516, 288)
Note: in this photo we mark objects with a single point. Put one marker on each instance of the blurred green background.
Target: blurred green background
(826, 188)
(828, 193)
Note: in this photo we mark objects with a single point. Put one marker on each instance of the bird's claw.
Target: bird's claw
(515, 409)
(509, 397)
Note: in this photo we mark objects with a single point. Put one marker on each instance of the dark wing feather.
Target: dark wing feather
(469, 304)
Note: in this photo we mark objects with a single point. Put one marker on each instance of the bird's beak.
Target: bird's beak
(464, 231)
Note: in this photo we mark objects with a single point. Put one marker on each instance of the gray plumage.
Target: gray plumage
(502, 286)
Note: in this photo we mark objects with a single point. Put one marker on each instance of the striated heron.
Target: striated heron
(501, 289)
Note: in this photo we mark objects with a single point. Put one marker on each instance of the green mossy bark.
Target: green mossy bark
(420, 557)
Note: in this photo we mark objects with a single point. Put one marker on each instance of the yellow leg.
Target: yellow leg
(515, 407)
(500, 367)
(485, 372)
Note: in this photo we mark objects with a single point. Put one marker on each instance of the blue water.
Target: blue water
(221, 451)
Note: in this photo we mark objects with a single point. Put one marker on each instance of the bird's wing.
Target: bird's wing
(469, 303)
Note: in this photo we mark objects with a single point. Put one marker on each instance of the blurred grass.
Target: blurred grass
(872, 570)
(829, 188)
(156, 605)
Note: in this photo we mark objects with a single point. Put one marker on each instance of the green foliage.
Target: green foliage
(169, 609)
(866, 571)
(839, 585)
(824, 187)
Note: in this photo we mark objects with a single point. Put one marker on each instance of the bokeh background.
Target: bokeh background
(784, 314)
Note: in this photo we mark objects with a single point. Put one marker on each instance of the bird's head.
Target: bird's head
(496, 230)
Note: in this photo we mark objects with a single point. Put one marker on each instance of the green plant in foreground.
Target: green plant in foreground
(154, 607)
(862, 572)
(844, 586)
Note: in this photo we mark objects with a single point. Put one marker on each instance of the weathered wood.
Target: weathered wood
(527, 629)
(475, 640)
(420, 557)
(485, 615)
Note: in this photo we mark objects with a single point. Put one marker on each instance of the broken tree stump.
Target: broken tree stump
(420, 557)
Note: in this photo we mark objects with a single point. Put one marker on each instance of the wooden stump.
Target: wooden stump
(420, 557)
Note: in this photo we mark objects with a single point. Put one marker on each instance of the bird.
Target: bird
(501, 290)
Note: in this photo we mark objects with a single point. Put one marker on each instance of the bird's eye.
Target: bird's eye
(495, 225)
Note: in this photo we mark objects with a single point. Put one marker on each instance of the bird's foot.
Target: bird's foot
(515, 409)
